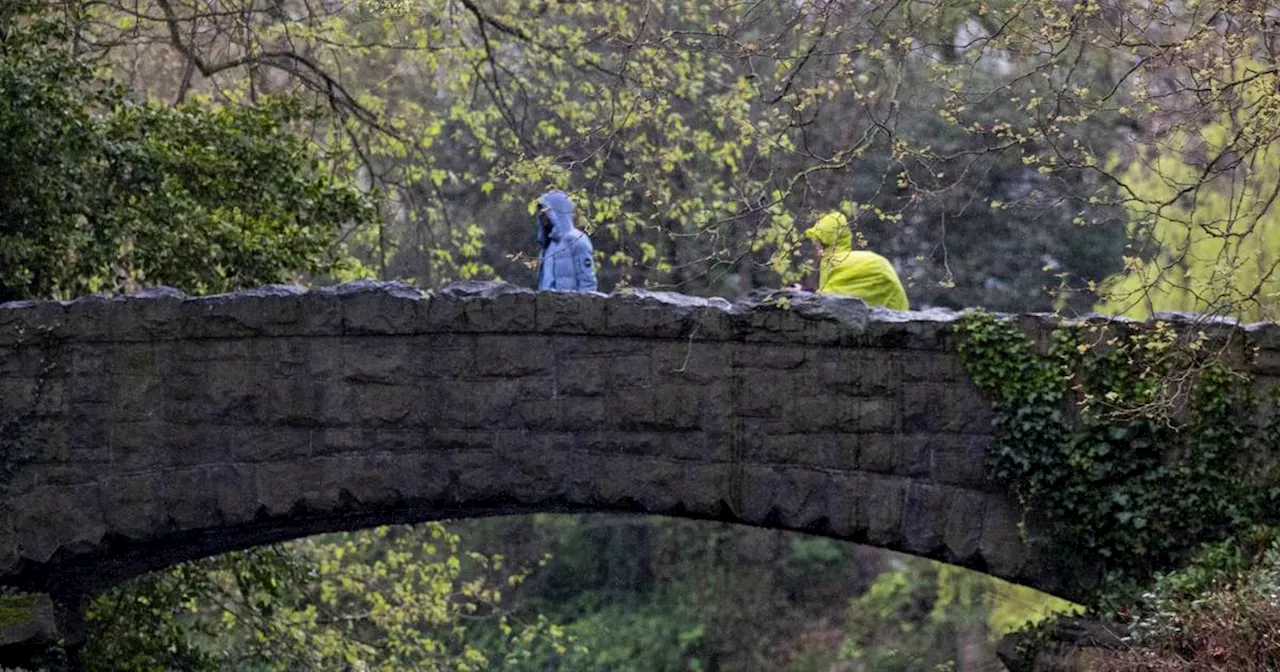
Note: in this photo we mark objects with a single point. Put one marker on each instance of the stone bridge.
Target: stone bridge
(156, 428)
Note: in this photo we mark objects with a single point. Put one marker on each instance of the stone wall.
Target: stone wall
(156, 428)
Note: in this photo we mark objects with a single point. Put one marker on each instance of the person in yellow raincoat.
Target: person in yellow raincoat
(860, 273)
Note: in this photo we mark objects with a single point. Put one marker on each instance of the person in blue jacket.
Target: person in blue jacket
(566, 261)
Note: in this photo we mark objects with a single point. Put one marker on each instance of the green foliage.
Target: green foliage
(382, 599)
(697, 136)
(103, 193)
(1220, 612)
(1116, 478)
(1206, 245)
(656, 631)
(925, 615)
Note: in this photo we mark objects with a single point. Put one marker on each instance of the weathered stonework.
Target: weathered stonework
(163, 428)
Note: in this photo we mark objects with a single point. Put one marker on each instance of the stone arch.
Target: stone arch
(161, 428)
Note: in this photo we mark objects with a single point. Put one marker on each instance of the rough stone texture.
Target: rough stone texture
(164, 428)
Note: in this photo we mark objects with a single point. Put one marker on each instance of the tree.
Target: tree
(698, 135)
(925, 615)
(103, 193)
(1208, 248)
(402, 598)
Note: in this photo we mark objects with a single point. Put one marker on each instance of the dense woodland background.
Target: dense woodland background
(1020, 155)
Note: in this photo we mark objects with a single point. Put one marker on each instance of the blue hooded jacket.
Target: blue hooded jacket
(566, 257)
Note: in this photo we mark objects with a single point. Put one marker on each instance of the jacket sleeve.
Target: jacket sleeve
(584, 266)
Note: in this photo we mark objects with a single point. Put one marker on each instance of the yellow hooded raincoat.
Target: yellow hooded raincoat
(859, 273)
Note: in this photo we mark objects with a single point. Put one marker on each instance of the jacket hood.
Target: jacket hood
(832, 230)
(560, 209)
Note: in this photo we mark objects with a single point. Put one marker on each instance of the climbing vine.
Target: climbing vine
(1127, 457)
(20, 438)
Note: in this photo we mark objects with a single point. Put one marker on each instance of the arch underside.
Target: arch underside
(187, 514)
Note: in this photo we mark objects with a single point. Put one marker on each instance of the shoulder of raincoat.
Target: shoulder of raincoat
(566, 262)
(859, 273)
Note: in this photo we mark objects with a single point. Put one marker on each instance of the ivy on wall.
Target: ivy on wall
(1133, 447)
(20, 437)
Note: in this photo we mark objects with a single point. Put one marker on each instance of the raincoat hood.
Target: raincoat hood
(832, 230)
(560, 209)
(860, 273)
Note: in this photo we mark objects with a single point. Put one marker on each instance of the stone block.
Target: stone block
(283, 487)
(868, 415)
(18, 396)
(267, 444)
(382, 361)
(97, 318)
(572, 313)
(1001, 545)
(936, 367)
(644, 315)
(658, 485)
(884, 504)
(688, 446)
(483, 475)
(1266, 362)
(584, 377)
(454, 441)
(53, 519)
(234, 394)
(677, 407)
(960, 460)
(924, 519)
(895, 454)
(631, 372)
(383, 405)
(794, 498)
(189, 499)
(763, 397)
(133, 505)
(49, 442)
(421, 476)
(77, 473)
(803, 412)
(530, 473)
(88, 437)
(336, 405)
(846, 504)
(964, 517)
(235, 492)
(581, 414)
(954, 408)
(512, 356)
(629, 409)
(443, 404)
(508, 312)
(365, 480)
(381, 308)
(225, 316)
(27, 322)
(777, 357)
(139, 446)
(341, 440)
(816, 450)
(154, 314)
(30, 361)
(694, 362)
(444, 357)
(712, 323)
(292, 402)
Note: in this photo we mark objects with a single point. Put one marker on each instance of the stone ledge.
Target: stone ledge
(391, 308)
